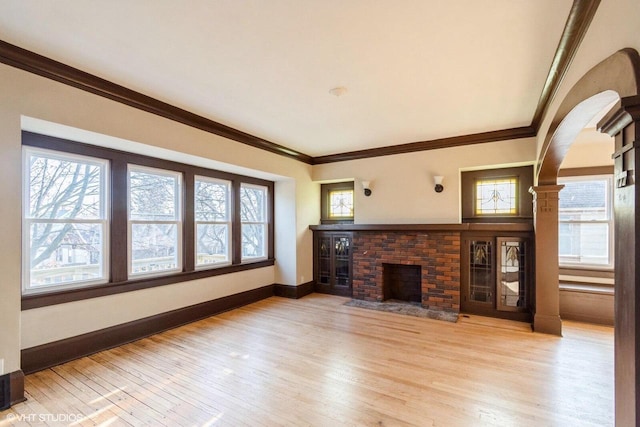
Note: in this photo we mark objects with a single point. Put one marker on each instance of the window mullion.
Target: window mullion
(188, 222)
(236, 224)
(119, 222)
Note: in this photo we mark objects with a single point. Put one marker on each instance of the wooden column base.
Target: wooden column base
(16, 385)
(547, 324)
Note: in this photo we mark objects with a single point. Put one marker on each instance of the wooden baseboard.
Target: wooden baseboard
(294, 292)
(51, 354)
(16, 390)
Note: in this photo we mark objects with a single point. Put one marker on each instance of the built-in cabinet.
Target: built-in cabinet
(332, 265)
(497, 276)
(491, 275)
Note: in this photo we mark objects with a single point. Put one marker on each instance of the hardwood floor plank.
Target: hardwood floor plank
(316, 362)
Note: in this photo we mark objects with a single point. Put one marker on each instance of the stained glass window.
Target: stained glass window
(496, 196)
(341, 203)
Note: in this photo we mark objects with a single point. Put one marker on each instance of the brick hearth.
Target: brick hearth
(438, 254)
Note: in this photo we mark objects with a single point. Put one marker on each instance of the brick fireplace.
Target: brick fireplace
(437, 253)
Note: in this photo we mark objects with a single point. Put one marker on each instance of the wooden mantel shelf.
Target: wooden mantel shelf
(525, 226)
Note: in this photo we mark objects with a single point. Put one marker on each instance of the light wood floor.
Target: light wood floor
(316, 362)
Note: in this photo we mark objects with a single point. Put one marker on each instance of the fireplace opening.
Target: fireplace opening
(402, 282)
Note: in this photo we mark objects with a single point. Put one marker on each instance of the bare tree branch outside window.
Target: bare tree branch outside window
(65, 218)
(213, 221)
(253, 214)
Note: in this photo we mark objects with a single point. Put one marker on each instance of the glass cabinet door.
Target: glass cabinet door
(511, 275)
(332, 264)
(481, 271)
(324, 260)
(342, 247)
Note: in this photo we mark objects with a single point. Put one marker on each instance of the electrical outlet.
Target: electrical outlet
(302, 279)
(1, 366)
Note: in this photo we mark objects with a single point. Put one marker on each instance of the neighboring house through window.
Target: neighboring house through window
(65, 220)
(586, 222)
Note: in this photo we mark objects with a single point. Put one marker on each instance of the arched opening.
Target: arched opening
(616, 81)
(586, 230)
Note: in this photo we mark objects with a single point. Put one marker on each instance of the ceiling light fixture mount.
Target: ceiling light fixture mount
(338, 91)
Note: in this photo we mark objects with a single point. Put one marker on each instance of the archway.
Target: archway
(617, 77)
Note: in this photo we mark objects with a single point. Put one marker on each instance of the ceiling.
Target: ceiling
(414, 70)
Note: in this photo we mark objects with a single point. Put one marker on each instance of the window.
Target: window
(103, 221)
(213, 222)
(497, 195)
(65, 220)
(337, 203)
(586, 221)
(155, 223)
(341, 204)
(253, 215)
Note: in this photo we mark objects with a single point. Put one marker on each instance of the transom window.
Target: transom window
(586, 221)
(65, 220)
(337, 203)
(496, 196)
(341, 204)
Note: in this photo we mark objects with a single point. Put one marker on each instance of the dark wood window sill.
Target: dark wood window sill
(78, 294)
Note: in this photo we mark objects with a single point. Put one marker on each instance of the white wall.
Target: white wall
(591, 148)
(402, 185)
(23, 94)
(56, 322)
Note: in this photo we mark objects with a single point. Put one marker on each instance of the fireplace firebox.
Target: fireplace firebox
(402, 282)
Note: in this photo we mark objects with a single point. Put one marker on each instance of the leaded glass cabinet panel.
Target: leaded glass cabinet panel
(481, 271)
(324, 260)
(333, 262)
(342, 261)
(496, 279)
(511, 274)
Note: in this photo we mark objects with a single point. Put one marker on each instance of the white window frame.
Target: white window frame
(264, 223)
(609, 221)
(228, 223)
(27, 221)
(178, 222)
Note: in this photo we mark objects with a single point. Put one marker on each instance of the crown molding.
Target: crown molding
(578, 21)
(434, 144)
(34, 63)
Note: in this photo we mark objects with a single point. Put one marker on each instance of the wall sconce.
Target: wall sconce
(437, 179)
(367, 190)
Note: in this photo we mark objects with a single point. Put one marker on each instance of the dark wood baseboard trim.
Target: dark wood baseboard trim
(16, 387)
(294, 292)
(51, 354)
